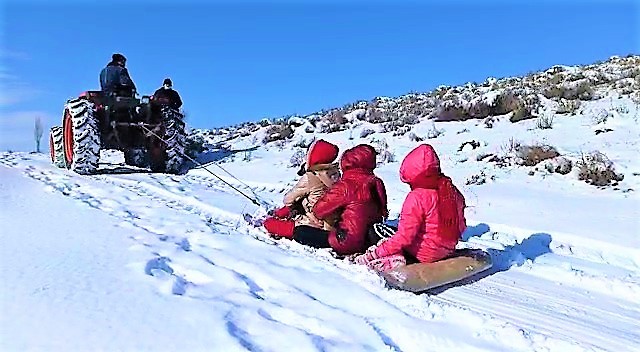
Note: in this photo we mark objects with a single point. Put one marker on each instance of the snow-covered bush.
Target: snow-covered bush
(566, 106)
(366, 132)
(545, 121)
(596, 169)
(194, 145)
(385, 155)
(477, 179)
(278, 132)
(559, 165)
(305, 142)
(415, 138)
(434, 132)
(298, 157)
(474, 144)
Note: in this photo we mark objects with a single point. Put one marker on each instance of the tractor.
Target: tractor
(148, 131)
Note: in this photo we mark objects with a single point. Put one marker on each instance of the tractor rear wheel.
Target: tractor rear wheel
(168, 155)
(56, 146)
(81, 137)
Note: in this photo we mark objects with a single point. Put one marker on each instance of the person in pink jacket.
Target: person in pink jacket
(432, 217)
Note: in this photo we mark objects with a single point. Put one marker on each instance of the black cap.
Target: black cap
(167, 82)
(118, 58)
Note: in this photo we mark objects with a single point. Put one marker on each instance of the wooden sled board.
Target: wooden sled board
(424, 276)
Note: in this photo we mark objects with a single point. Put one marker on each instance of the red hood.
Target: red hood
(420, 164)
(362, 156)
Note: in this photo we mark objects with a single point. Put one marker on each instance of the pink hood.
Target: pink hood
(420, 163)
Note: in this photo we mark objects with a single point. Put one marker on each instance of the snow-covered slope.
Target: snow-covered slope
(128, 260)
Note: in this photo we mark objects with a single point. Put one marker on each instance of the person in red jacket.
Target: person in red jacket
(357, 201)
(432, 217)
(318, 173)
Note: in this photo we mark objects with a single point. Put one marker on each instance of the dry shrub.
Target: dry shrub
(479, 110)
(415, 138)
(474, 144)
(505, 103)
(366, 132)
(581, 89)
(554, 91)
(533, 154)
(521, 113)
(449, 111)
(298, 157)
(568, 106)
(545, 122)
(596, 169)
(277, 133)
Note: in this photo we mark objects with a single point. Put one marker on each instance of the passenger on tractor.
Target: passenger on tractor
(165, 95)
(115, 79)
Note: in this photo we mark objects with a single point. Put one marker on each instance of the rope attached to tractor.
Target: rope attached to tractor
(255, 200)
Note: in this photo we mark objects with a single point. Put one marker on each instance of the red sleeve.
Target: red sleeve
(331, 201)
(382, 196)
(411, 220)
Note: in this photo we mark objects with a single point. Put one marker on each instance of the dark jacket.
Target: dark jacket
(168, 96)
(359, 198)
(115, 78)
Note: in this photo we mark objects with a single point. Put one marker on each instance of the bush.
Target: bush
(596, 169)
(194, 146)
(505, 103)
(521, 113)
(278, 132)
(474, 144)
(568, 106)
(384, 154)
(434, 132)
(534, 154)
(559, 165)
(545, 122)
(366, 132)
(298, 157)
(449, 111)
(415, 138)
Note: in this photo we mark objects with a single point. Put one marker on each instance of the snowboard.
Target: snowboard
(425, 276)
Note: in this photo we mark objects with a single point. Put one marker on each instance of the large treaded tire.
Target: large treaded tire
(56, 146)
(175, 139)
(81, 137)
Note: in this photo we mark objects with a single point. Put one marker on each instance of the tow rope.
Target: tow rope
(253, 200)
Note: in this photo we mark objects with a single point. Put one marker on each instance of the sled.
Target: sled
(425, 276)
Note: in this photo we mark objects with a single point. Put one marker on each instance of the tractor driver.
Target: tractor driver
(115, 78)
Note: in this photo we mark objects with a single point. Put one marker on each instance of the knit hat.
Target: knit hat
(321, 152)
(167, 82)
(118, 58)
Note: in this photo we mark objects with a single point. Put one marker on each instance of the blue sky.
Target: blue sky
(240, 61)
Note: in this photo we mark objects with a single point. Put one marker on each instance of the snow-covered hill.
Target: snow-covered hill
(128, 260)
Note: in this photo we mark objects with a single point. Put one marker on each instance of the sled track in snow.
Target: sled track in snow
(517, 304)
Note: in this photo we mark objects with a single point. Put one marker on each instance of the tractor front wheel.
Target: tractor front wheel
(81, 137)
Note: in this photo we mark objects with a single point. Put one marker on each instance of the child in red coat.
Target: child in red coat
(357, 200)
(432, 217)
(319, 172)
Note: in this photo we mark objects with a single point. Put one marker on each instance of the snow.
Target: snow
(129, 260)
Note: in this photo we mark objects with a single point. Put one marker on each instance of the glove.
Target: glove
(368, 256)
(283, 212)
